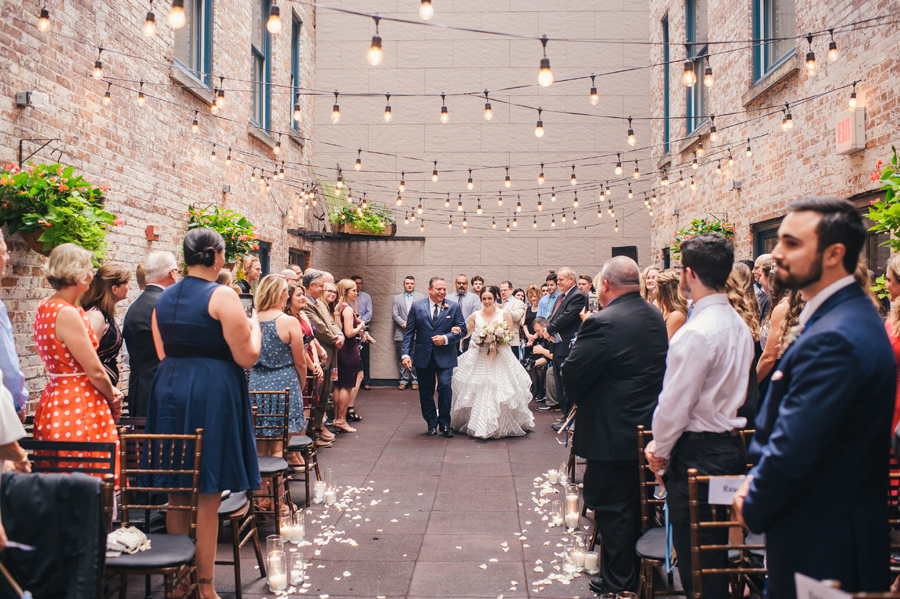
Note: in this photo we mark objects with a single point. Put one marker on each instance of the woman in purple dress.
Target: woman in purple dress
(348, 354)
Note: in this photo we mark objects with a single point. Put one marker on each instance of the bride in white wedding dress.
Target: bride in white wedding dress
(491, 390)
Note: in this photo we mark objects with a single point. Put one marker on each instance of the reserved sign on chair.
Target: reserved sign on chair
(810, 588)
(723, 488)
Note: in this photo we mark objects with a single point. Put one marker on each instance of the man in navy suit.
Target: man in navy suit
(819, 489)
(436, 325)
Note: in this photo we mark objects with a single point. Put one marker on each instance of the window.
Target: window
(665, 41)
(265, 249)
(193, 42)
(772, 20)
(667, 258)
(697, 49)
(298, 257)
(295, 69)
(625, 250)
(261, 49)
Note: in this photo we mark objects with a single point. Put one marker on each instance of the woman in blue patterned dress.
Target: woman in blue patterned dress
(282, 361)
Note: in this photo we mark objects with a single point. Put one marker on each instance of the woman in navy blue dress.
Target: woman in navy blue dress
(205, 340)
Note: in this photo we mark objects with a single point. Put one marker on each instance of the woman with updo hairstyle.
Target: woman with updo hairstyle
(79, 402)
(204, 340)
(109, 287)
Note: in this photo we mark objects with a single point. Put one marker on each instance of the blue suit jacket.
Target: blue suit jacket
(420, 329)
(822, 445)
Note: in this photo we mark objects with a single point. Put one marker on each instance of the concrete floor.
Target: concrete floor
(428, 516)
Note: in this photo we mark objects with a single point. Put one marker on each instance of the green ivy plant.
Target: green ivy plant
(238, 232)
(886, 213)
(700, 226)
(52, 200)
(366, 217)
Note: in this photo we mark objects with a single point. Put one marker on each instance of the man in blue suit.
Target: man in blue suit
(819, 489)
(435, 325)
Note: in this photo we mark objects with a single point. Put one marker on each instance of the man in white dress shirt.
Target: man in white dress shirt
(695, 424)
(516, 309)
(468, 303)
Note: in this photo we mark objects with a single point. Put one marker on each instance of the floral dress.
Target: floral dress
(70, 408)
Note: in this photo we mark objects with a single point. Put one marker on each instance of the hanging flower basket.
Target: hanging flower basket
(363, 219)
(700, 226)
(49, 205)
(390, 230)
(238, 232)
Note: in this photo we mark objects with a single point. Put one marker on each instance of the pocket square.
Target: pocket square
(448, 316)
(777, 375)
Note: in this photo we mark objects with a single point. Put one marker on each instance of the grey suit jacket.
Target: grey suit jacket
(399, 311)
(516, 309)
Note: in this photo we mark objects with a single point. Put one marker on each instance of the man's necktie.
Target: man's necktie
(556, 305)
(434, 315)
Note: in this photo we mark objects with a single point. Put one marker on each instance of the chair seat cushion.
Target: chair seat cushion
(652, 544)
(298, 442)
(271, 465)
(233, 503)
(165, 551)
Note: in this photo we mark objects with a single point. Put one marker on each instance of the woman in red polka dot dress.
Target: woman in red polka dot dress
(79, 402)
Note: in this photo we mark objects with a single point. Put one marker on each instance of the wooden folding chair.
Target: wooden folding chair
(742, 567)
(63, 456)
(270, 419)
(238, 510)
(144, 460)
(306, 446)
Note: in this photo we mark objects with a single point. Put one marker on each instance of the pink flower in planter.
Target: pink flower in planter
(118, 222)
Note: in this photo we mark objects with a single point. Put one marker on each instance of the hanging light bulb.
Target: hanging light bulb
(552, 221)
(450, 223)
(419, 207)
(107, 97)
(98, 66)
(540, 205)
(340, 179)
(630, 193)
(680, 179)
(608, 191)
(665, 179)
(574, 219)
(150, 22)
(253, 176)
(689, 78)
(195, 125)
(749, 149)
(653, 196)
(518, 204)
(786, 121)
(465, 221)
(534, 223)
(730, 158)
(832, 47)
(212, 155)
(719, 167)
(44, 19)
(599, 212)
(500, 198)
(595, 99)
(617, 226)
(573, 180)
(213, 109)
(406, 218)
(358, 165)
(387, 109)
(507, 183)
(553, 194)
(281, 170)
(412, 216)
(447, 201)
(470, 184)
(699, 146)
(618, 163)
(402, 186)
(810, 56)
(445, 114)
(434, 174)
(422, 226)
(575, 200)
(564, 216)
(268, 185)
(539, 128)
(228, 158)
(375, 54)
(277, 149)
(852, 102)
(478, 210)
(488, 114)
(507, 225)
(399, 200)
(708, 75)
(459, 205)
(493, 223)
(694, 164)
(637, 170)
(336, 110)
(273, 25)
(631, 138)
(541, 175)
(426, 11)
(713, 133)
(545, 75)
(177, 18)
(298, 114)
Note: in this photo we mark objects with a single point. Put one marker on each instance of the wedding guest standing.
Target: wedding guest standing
(109, 287)
(348, 356)
(468, 303)
(561, 328)
(670, 301)
(399, 311)
(477, 285)
(252, 272)
(545, 304)
(13, 377)
(363, 307)
(516, 309)
(696, 424)
(742, 297)
(330, 339)
(614, 374)
(648, 283)
(296, 306)
(205, 341)
(586, 286)
(762, 293)
(67, 344)
(533, 296)
(161, 272)
(892, 325)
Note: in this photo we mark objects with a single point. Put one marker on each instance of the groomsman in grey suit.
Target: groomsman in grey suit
(468, 303)
(399, 310)
(516, 309)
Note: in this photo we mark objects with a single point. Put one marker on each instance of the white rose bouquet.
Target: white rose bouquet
(492, 335)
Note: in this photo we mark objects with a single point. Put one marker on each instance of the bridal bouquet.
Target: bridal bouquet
(492, 335)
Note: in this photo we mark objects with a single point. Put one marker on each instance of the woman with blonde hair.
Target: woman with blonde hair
(349, 373)
(281, 364)
(79, 379)
(109, 287)
(648, 283)
(742, 296)
(670, 300)
(892, 324)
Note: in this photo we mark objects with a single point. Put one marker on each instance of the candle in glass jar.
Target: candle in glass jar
(296, 577)
(578, 557)
(330, 496)
(591, 561)
(552, 476)
(319, 491)
(277, 582)
(572, 519)
(298, 532)
(572, 503)
(563, 477)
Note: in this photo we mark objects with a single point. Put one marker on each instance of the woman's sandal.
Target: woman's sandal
(323, 443)
(352, 416)
(343, 427)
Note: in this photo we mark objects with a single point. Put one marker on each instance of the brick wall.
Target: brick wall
(148, 158)
(785, 165)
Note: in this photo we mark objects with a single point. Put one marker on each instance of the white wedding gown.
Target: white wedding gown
(490, 393)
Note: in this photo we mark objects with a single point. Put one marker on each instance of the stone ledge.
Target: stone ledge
(261, 135)
(790, 65)
(191, 84)
(295, 137)
(700, 131)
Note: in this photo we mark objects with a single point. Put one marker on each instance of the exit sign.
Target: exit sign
(850, 131)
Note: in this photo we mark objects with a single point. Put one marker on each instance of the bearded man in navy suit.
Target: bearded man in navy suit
(820, 484)
(435, 325)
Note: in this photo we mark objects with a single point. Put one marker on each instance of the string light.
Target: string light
(459, 205)
(552, 221)
(694, 164)
(708, 75)
(281, 171)
(540, 205)
(44, 19)
(599, 212)
(500, 198)
(534, 223)
(730, 158)
(595, 99)
(630, 193)
(268, 185)
(426, 11)
(212, 156)
(786, 121)
(539, 128)
(488, 114)
(693, 184)
(406, 218)
(273, 25)
(545, 75)
(541, 175)
(507, 182)
(220, 98)
(618, 163)
(617, 226)
(434, 173)
(450, 223)
(177, 18)
(575, 200)
(689, 78)
(422, 226)
(552, 194)
(340, 179)
(98, 65)
(518, 204)
(297, 113)
(277, 148)
(253, 176)
(358, 165)
(564, 216)
(419, 207)
(810, 56)
(507, 225)
(470, 184)
(445, 114)
(493, 223)
(574, 219)
(631, 138)
(387, 109)
(573, 180)
(719, 167)
(228, 158)
(680, 179)
(107, 97)
(447, 201)
(375, 54)
(402, 187)
(465, 221)
(608, 191)
(478, 210)
(637, 170)
(602, 192)
(665, 178)
(699, 146)
(832, 47)
(195, 125)
(749, 149)
(653, 196)
(852, 102)
(713, 133)
(336, 110)
(150, 22)
(399, 200)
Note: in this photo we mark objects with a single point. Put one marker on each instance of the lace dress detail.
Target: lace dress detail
(490, 393)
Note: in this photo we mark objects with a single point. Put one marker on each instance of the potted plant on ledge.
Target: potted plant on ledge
(238, 232)
(699, 226)
(357, 219)
(48, 205)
